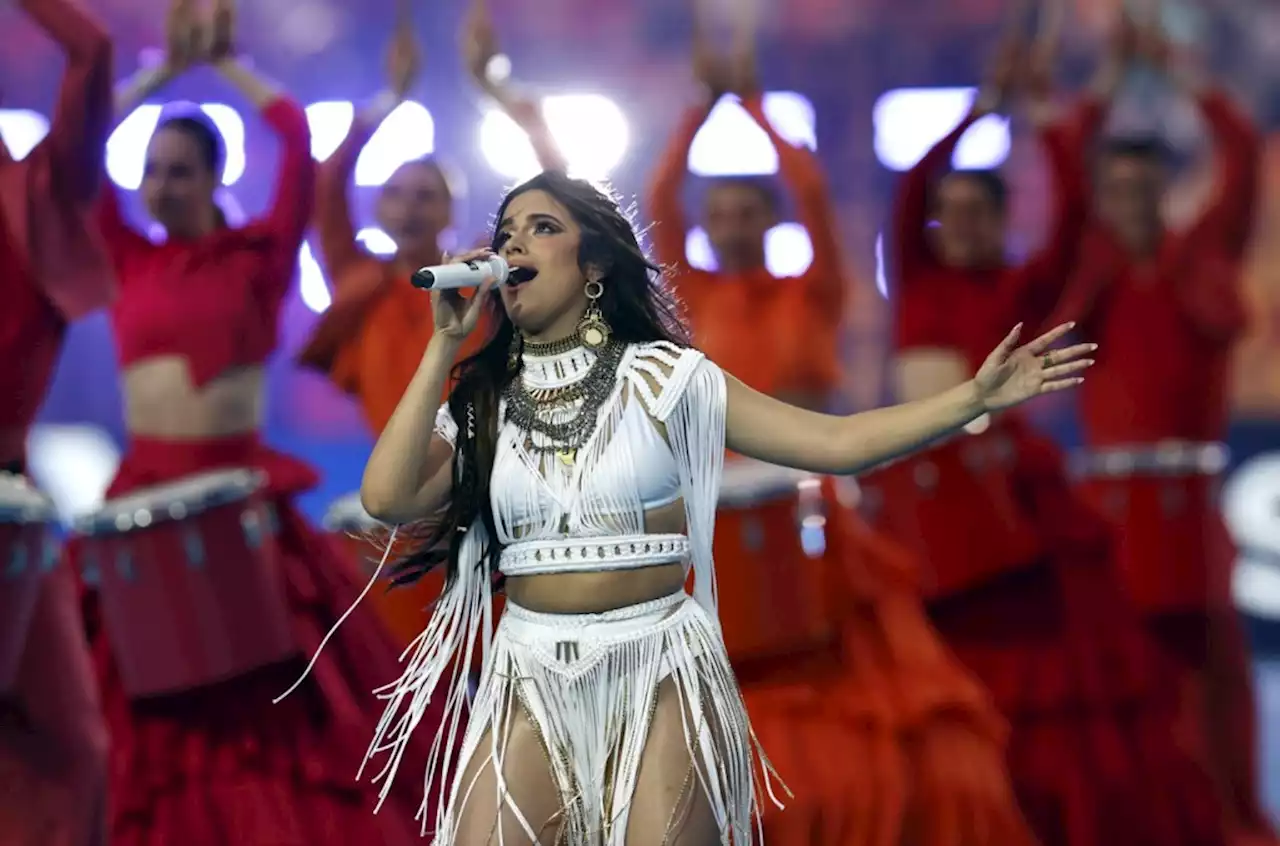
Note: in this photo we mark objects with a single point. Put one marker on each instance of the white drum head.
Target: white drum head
(174, 500)
(21, 502)
(347, 514)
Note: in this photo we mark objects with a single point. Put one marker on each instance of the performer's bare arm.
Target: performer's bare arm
(764, 428)
(408, 474)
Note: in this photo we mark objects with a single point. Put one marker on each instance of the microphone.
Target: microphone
(461, 274)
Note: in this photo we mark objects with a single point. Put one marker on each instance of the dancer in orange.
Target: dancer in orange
(53, 740)
(370, 340)
(1020, 572)
(1169, 308)
(848, 688)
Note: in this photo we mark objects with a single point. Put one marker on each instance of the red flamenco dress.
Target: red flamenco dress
(880, 736)
(1154, 413)
(219, 763)
(1019, 574)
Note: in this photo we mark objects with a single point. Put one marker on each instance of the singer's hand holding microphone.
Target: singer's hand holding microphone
(457, 316)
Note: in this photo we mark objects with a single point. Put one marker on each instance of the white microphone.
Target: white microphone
(462, 274)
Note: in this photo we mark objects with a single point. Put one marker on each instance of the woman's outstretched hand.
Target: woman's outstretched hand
(457, 316)
(1011, 375)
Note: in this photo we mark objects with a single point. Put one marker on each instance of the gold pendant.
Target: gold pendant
(567, 456)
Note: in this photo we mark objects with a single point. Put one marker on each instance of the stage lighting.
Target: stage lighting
(311, 282)
(882, 284)
(21, 130)
(731, 143)
(787, 250)
(908, 121)
(330, 121)
(408, 133)
(73, 464)
(126, 148)
(376, 241)
(590, 130)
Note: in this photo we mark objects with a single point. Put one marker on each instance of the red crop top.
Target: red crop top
(215, 300)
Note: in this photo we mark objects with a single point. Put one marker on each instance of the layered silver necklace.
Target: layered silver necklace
(557, 398)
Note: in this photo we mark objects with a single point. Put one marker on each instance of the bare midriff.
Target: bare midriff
(161, 400)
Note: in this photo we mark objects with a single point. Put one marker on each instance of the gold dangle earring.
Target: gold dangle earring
(593, 331)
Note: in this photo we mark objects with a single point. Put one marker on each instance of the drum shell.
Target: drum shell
(775, 598)
(27, 552)
(1174, 552)
(191, 602)
(959, 509)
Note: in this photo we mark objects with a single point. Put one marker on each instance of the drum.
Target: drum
(190, 581)
(771, 540)
(958, 508)
(27, 552)
(404, 610)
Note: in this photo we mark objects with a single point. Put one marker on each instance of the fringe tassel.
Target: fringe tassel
(461, 620)
(597, 710)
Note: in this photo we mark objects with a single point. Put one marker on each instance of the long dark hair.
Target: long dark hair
(638, 306)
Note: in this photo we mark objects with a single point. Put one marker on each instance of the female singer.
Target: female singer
(579, 456)
(887, 696)
(193, 654)
(53, 741)
(1021, 576)
(1155, 421)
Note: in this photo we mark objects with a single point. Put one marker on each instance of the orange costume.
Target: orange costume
(878, 732)
(370, 340)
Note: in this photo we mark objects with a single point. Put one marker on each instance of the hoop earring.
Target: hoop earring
(593, 331)
(514, 351)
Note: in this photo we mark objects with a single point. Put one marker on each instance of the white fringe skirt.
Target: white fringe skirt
(588, 684)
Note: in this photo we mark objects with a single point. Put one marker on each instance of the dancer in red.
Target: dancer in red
(1168, 308)
(1020, 574)
(53, 742)
(848, 688)
(211, 586)
(370, 341)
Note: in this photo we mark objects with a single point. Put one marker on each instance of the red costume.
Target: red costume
(880, 735)
(1154, 412)
(1020, 578)
(218, 762)
(370, 341)
(53, 742)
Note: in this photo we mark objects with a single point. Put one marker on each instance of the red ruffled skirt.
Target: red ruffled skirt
(1176, 558)
(836, 660)
(1093, 751)
(222, 765)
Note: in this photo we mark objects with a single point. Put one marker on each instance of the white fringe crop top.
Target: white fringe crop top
(588, 512)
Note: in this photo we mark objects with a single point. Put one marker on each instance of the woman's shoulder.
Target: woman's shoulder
(662, 372)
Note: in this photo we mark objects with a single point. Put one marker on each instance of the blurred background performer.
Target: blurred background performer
(1169, 308)
(848, 688)
(53, 742)
(370, 340)
(1021, 576)
(211, 585)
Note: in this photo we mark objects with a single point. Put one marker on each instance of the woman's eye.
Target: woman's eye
(500, 239)
(543, 226)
